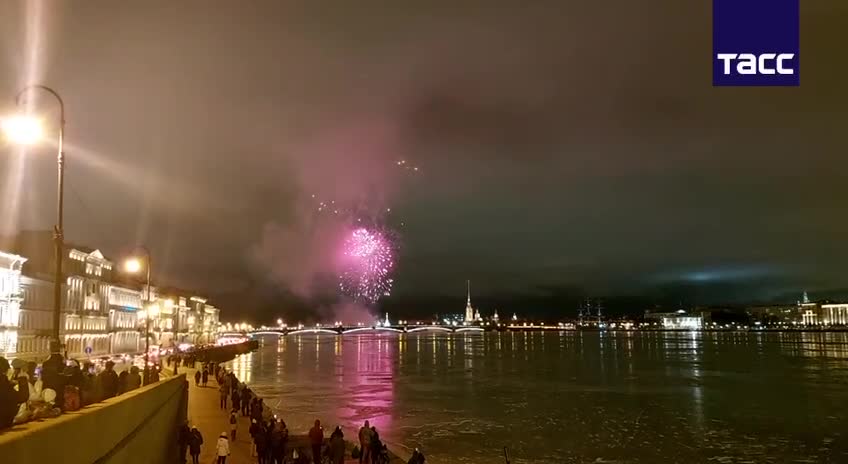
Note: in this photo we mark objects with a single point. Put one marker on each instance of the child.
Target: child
(233, 425)
(223, 448)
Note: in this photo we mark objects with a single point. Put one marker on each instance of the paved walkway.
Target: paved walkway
(205, 414)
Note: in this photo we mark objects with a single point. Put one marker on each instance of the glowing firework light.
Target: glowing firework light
(367, 263)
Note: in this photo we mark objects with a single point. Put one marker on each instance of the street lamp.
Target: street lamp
(23, 130)
(27, 130)
(133, 266)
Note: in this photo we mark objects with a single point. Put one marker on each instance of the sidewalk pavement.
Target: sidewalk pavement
(204, 412)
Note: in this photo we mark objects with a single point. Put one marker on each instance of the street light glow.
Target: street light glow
(132, 265)
(23, 130)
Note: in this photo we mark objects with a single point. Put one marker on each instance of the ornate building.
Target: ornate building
(99, 315)
(10, 301)
(36, 319)
(88, 276)
(124, 309)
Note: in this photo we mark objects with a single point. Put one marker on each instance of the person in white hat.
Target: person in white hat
(223, 448)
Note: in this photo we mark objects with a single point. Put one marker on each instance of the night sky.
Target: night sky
(566, 149)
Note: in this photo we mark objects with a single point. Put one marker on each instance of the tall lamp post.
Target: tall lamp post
(26, 130)
(133, 266)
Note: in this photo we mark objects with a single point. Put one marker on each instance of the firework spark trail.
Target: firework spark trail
(368, 259)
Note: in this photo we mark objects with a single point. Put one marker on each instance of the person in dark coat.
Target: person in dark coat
(195, 439)
(109, 381)
(365, 443)
(337, 446)
(258, 409)
(223, 393)
(416, 458)
(10, 399)
(279, 438)
(246, 394)
(376, 444)
(122, 382)
(197, 378)
(183, 437)
(316, 439)
(133, 378)
(253, 430)
(204, 377)
(260, 439)
(51, 374)
(236, 398)
(75, 375)
(87, 393)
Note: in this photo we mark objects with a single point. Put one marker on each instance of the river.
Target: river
(569, 397)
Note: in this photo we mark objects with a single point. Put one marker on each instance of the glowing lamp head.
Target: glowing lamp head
(23, 130)
(132, 265)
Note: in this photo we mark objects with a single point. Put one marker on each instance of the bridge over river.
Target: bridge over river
(400, 329)
(344, 330)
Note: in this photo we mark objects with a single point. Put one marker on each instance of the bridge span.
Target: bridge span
(344, 330)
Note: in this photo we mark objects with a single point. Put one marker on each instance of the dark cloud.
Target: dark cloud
(563, 145)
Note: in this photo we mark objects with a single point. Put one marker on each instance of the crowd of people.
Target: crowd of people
(30, 392)
(270, 436)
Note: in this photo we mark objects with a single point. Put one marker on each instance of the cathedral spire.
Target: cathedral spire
(469, 311)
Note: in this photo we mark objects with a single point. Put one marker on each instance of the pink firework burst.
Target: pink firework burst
(367, 262)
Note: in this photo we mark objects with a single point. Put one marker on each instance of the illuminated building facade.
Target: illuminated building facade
(124, 307)
(834, 314)
(99, 314)
(678, 320)
(86, 327)
(36, 318)
(201, 321)
(810, 314)
(211, 320)
(177, 316)
(10, 301)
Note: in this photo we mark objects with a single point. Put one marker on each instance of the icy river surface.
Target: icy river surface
(569, 397)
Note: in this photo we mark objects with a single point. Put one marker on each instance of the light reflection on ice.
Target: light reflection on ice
(570, 397)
